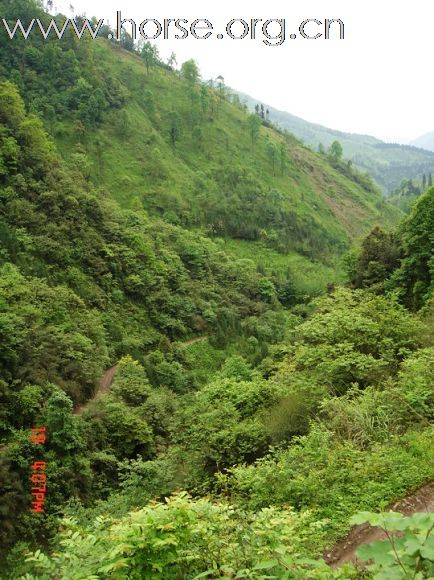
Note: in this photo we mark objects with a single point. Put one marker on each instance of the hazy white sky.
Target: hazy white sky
(378, 80)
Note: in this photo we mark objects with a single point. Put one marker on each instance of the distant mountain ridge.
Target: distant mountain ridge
(425, 141)
(387, 163)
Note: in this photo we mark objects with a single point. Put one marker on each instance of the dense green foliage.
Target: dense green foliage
(408, 191)
(83, 281)
(402, 262)
(356, 440)
(148, 222)
(375, 261)
(415, 276)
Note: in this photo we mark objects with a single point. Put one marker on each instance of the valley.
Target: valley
(386, 163)
(216, 347)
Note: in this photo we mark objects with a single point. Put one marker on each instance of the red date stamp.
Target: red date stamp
(38, 477)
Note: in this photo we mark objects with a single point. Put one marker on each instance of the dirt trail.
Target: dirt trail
(107, 379)
(104, 385)
(193, 340)
(421, 500)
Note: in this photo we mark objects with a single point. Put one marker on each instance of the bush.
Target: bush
(186, 538)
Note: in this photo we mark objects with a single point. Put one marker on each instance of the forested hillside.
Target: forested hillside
(387, 163)
(151, 225)
(159, 139)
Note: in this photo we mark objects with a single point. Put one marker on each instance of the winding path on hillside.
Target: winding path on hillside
(103, 387)
(421, 500)
(106, 380)
(192, 341)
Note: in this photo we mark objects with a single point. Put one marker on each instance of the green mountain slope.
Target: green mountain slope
(184, 153)
(214, 171)
(155, 164)
(387, 163)
(149, 225)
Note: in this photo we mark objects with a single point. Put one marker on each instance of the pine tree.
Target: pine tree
(175, 129)
(272, 154)
(150, 55)
(283, 158)
(254, 124)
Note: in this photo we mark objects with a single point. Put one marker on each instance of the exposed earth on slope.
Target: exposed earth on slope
(421, 500)
(103, 387)
(107, 378)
